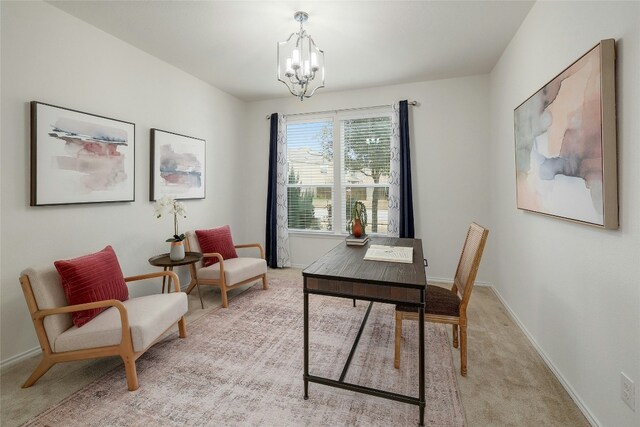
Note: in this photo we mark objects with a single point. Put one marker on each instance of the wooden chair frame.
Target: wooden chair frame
(221, 281)
(124, 349)
(462, 288)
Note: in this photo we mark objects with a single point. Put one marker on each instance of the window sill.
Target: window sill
(319, 235)
(327, 234)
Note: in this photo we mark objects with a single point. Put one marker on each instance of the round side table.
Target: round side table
(190, 258)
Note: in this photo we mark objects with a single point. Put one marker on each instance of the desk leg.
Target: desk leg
(306, 343)
(421, 361)
(355, 343)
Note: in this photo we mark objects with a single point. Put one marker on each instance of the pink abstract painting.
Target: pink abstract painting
(560, 145)
(79, 157)
(177, 166)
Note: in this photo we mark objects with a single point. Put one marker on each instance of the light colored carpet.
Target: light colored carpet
(243, 366)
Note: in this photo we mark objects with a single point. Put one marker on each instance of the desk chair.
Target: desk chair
(444, 306)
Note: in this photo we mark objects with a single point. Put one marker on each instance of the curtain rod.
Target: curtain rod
(414, 103)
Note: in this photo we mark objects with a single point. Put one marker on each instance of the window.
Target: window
(310, 175)
(319, 181)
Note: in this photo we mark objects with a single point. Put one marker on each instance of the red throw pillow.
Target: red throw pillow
(216, 240)
(91, 278)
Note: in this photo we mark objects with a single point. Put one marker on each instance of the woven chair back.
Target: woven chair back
(470, 260)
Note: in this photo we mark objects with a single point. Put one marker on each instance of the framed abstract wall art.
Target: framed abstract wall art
(79, 157)
(177, 166)
(565, 143)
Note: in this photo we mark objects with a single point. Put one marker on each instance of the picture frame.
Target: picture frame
(565, 143)
(178, 166)
(79, 158)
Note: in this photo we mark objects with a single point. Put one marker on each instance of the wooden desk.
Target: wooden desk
(343, 272)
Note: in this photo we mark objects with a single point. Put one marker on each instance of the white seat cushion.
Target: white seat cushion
(149, 316)
(48, 292)
(236, 270)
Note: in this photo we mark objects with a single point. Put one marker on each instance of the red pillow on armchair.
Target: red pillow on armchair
(216, 240)
(91, 278)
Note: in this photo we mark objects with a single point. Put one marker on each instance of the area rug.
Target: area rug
(242, 366)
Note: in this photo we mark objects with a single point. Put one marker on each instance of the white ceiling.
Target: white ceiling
(232, 44)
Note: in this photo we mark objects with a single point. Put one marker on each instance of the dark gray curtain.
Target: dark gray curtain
(271, 239)
(406, 228)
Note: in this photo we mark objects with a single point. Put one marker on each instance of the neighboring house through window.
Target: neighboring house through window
(322, 186)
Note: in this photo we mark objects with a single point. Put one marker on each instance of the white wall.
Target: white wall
(573, 287)
(450, 160)
(52, 57)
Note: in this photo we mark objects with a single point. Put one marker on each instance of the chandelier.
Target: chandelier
(300, 62)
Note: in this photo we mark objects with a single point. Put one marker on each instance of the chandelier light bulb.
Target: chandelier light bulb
(295, 57)
(289, 72)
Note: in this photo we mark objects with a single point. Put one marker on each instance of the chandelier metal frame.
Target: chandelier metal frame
(303, 69)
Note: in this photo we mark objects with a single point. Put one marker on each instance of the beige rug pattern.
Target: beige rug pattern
(242, 366)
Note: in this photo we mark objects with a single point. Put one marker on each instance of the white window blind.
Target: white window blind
(366, 146)
(310, 175)
(322, 187)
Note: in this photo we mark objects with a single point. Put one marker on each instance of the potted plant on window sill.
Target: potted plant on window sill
(358, 221)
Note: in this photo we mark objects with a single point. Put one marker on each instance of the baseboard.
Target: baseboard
(574, 396)
(300, 265)
(8, 363)
(449, 281)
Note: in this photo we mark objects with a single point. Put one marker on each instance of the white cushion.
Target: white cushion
(236, 270)
(149, 316)
(48, 293)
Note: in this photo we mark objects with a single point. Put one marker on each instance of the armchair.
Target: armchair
(126, 328)
(227, 273)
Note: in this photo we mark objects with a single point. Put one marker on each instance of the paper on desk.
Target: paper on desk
(389, 253)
